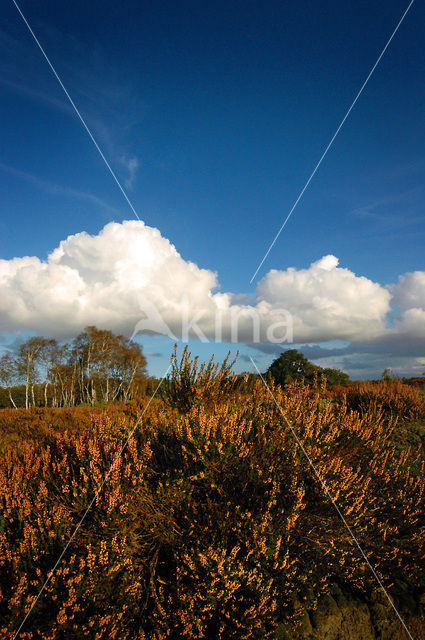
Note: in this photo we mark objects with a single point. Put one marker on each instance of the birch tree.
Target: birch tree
(8, 374)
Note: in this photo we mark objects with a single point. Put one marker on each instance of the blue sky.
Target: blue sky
(213, 116)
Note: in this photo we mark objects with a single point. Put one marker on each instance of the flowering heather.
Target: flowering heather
(211, 525)
(393, 397)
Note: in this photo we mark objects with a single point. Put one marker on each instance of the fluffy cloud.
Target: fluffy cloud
(97, 280)
(409, 298)
(328, 302)
(128, 277)
(409, 292)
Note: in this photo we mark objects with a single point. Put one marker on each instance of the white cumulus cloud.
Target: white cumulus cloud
(409, 298)
(328, 302)
(129, 277)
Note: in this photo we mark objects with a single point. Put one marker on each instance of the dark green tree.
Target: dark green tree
(290, 366)
(336, 376)
(293, 365)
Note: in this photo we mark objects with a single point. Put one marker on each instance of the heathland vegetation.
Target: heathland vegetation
(211, 523)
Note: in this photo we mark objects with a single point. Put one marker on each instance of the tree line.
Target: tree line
(96, 366)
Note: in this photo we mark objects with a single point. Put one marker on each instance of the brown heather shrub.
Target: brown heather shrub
(191, 384)
(42, 424)
(392, 397)
(211, 525)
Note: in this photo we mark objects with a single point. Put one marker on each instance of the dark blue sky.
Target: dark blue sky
(226, 108)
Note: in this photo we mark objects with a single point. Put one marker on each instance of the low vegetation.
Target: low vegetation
(211, 524)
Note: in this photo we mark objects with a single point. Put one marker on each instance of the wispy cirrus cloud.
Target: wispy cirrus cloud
(392, 209)
(132, 166)
(104, 94)
(36, 95)
(55, 189)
